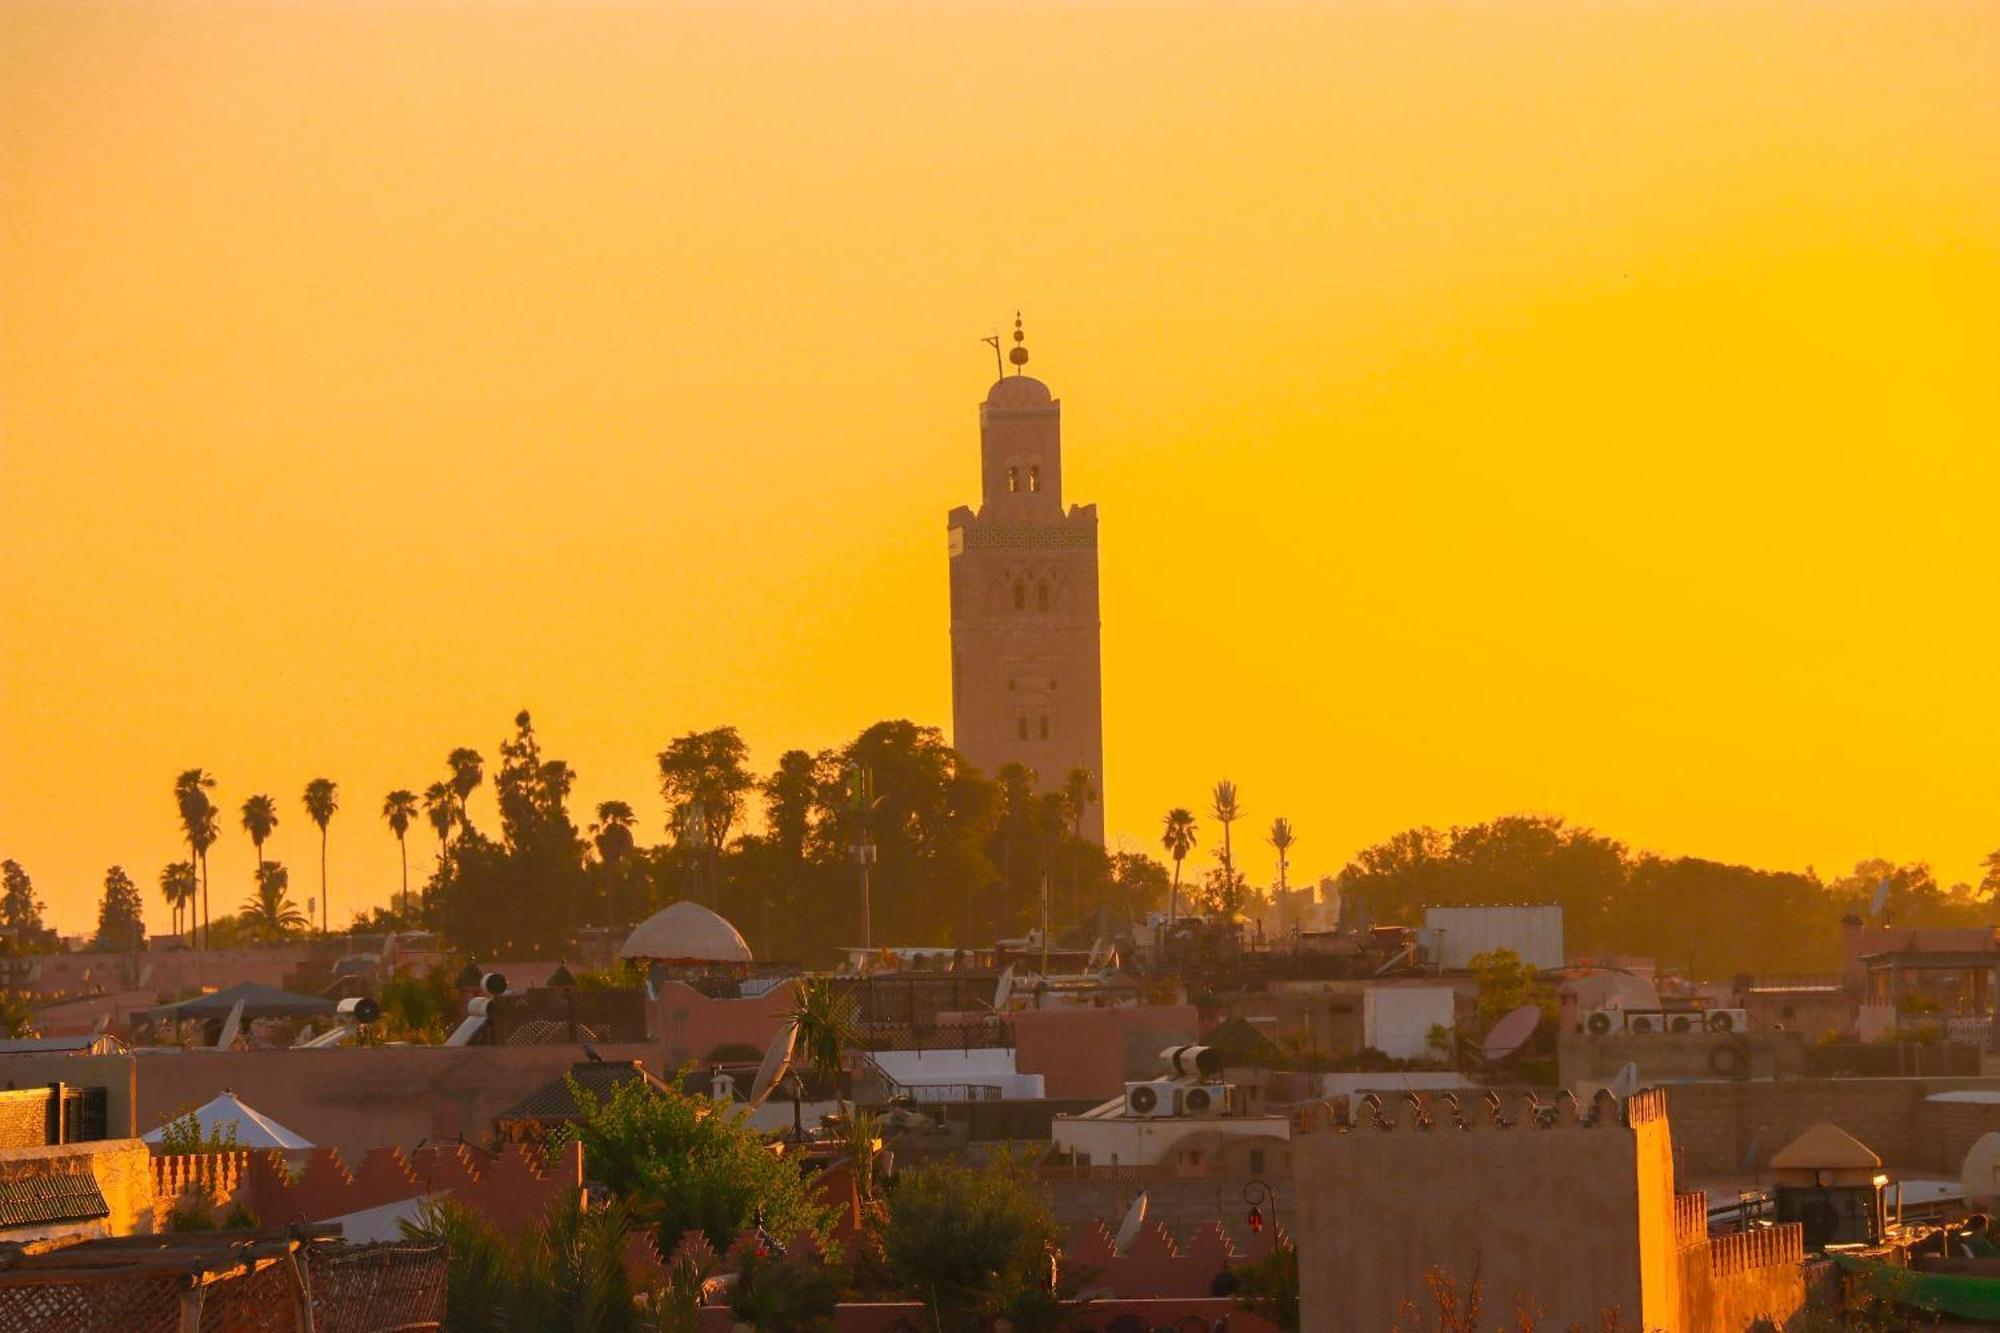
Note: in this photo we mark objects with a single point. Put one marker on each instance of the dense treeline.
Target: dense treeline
(957, 856)
(1703, 918)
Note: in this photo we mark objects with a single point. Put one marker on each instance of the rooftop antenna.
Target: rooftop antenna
(999, 367)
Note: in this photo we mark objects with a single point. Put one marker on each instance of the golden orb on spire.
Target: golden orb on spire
(1018, 354)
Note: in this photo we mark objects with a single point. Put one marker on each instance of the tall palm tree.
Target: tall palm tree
(1282, 837)
(1177, 835)
(1079, 793)
(269, 914)
(613, 831)
(612, 834)
(468, 770)
(322, 799)
(260, 817)
(1226, 811)
(202, 823)
(178, 886)
(441, 808)
(399, 810)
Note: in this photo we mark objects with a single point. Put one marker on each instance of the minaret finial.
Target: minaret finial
(1019, 354)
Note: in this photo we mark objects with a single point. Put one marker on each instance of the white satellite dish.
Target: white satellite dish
(1626, 1081)
(1128, 1230)
(1004, 989)
(230, 1027)
(777, 1060)
(1880, 900)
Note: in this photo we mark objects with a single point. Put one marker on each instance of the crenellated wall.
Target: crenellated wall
(1566, 1206)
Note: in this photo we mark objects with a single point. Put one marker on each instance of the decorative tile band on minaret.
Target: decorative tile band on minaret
(1025, 676)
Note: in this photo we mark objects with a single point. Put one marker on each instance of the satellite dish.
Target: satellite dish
(1510, 1033)
(1004, 989)
(493, 984)
(230, 1027)
(1880, 900)
(1626, 1081)
(1128, 1230)
(1750, 1153)
(361, 1009)
(777, 1060)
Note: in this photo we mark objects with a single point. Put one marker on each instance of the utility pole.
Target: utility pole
(861, 782)
(1045, 923)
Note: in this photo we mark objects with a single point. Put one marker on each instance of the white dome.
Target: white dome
(685, 932)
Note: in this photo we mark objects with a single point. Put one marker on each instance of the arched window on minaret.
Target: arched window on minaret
(1013, 479)
(1041, 596)
(1034, 478)
(1020, 596)
(1045, 726)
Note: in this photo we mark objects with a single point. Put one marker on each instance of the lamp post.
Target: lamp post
(1259, 1196)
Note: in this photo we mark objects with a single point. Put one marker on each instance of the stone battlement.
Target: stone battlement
(1430, 1111)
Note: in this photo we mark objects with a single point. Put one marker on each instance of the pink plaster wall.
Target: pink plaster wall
(690, 1024)
(1092, 1052)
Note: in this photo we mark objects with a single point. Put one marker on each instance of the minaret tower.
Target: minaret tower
(1025, 681)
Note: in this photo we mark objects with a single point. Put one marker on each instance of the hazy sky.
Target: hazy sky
(1586, 407)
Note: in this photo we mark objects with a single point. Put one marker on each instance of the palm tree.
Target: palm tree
(178, 886)
(269, 914)
(612, 833)
(1079, 793)
(1226, 812)
(260, 816)
(468, 770)
(1178, 837)
(823, 1026)
(1282, 838)
(202, 824)
(399, 809)
(441, 808)
(322, 799)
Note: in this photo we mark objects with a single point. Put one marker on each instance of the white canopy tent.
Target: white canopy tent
(254, 1129)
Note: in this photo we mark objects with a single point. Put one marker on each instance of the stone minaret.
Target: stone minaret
(1024, 666)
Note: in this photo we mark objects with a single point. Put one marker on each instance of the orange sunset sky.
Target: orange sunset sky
(1575, 407)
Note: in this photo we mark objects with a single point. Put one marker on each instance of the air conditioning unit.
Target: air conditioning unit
(1647, 1023)
(1728, 1020)
(1603, 1022)
(1150, 1099)
(1685, 1022)
(1205, 1099)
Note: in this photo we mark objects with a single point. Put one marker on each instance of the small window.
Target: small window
(1022, 725)
(1041, 596)
(1045, 726)
(1020, 597)
(1013, 479)
(1034, 479)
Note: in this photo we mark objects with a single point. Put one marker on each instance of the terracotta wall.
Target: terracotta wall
(1551, 1215)
(355, 1099)
(1092, 1052)
(690, 1024)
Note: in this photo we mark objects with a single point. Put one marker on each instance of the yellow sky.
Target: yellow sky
(1583, 407)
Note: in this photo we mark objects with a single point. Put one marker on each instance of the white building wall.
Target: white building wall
(1397, 1020)
(1535, 932)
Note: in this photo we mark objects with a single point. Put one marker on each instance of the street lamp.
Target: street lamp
(1259, 1196)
